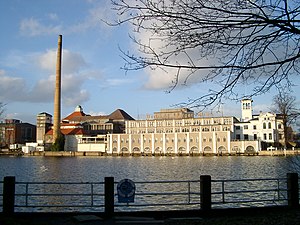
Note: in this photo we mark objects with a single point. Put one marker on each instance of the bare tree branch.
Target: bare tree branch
(284, 104)
(229, 43)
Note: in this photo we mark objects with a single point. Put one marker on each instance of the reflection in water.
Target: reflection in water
(94, 169)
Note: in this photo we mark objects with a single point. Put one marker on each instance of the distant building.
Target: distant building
(167, 132)
(179, 131)
(13, 131)
(79, 127)
(43, 125)
(266, 127)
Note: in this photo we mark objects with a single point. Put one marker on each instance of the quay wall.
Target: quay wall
(98, 153)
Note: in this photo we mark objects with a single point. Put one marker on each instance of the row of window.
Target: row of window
(254, 126)
(167, 140)
(178, 130)
(246, 136)
(169, 123)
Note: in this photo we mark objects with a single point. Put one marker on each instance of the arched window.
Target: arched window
(269, 125)
(264, 126)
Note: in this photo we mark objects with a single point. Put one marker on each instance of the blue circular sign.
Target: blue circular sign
(126, 190)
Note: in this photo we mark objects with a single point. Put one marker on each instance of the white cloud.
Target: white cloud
(53, 16)
(17, 88)
(165, 78)
(92, 113)
(12, 88)
(33, 27)
(75, 98)
(71, 61)
(117, 82)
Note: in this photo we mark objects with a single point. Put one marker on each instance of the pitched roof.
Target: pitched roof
(74, 115)
(69, 131)
(88, 118)
(120, 114)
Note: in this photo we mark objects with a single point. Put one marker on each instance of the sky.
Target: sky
(91, 64)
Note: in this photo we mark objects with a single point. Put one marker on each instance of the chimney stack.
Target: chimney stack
(57, 96)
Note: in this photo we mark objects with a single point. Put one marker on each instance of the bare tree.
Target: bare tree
(285, 105)
(2, 105)
(225, 43)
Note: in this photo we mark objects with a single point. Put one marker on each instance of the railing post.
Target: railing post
(205, 192)
(9, 195)
(109, 196)
(293, 190)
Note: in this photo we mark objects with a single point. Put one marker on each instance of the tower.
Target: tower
(43, 124)
(246, 109)
(57, 95)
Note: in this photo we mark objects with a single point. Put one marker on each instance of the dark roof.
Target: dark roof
(45, 113)
(120, 114)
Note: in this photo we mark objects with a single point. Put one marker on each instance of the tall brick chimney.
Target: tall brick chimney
(57, 95)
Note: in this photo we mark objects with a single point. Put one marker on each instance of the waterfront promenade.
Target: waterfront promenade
(270, 216)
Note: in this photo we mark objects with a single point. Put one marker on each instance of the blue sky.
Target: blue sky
(91, 75)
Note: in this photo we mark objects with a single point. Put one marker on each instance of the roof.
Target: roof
(44, 113)
(74, 115)
(120, 114)
(69, 131)
(88, 118)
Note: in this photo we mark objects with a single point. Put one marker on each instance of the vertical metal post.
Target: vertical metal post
(189, 192)
(223, 191)
(205, 192)
(9, 195)
(109, 196)
(92, 195)
(293, 190)
(26, 199)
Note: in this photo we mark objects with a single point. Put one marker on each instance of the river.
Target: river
(94, 169)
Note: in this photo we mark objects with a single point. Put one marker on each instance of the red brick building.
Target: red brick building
(14, 131)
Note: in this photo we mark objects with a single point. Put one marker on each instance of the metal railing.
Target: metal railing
(249, 192)
(149, 195)
(59, 196)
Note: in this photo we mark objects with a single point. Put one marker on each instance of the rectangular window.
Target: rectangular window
(246, 127)
(270, 136)
(265, 136)
(246, 136)
(254, 127)
(255, 136)
(237, 127)
(238, 136)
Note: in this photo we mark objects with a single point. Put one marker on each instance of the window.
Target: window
(270, 136)
(265, 136)
(264, 126)
(238, 136)
(254, 127)
(246, 136)
(279, 126)
(269, 125)
(255, 136)
(237, 127)
(246, 127)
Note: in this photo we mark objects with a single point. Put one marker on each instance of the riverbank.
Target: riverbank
(90, 153)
